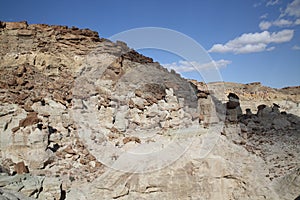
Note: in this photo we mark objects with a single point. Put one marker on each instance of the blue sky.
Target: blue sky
(249, 40)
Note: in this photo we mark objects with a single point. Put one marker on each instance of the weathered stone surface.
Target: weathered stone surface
(51, 189)
(16, 25)
(189, 178)
(12, 195)
(292, 180)
(30, 187)
(254, 94)
(66, 94)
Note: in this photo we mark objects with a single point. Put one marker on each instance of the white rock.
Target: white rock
(38, 137)
(92, 163)
(37, 158)
(120, 122)
(51, 188)
(139, 102)
(135, 118)
(170, 106)
(105, 116)
(169, 92)
(152, 110)
(165, 124)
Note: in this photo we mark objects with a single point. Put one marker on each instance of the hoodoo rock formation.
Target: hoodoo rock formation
(82, 117)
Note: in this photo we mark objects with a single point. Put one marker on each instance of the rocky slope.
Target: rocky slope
(82, 117)
(254, 94)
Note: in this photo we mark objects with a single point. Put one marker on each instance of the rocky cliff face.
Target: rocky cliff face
(83, 117)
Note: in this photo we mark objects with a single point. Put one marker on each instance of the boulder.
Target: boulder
(234, 110)
(249, 112)
(20, 168)
(275, 108)
(121, 122)
(280, 123)
(233, 101)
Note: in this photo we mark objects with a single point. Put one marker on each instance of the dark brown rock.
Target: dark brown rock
(32, 118)
(233, 96)
(202, 94)
(151, 92)
(248, 112)
(232, 104)
(136, 57)
(20, 168)
(131, 139)
(15, 129)
(69, 150)
(261, 107)
(2, 24)
(276, 105)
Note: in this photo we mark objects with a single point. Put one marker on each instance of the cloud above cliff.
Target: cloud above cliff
(253, 42)
(264, 25)
(186, 66)
(289, 16)
(292, 9)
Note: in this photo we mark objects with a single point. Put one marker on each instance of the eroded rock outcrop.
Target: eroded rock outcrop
(83, 117)
(49, 72)
(254, 94)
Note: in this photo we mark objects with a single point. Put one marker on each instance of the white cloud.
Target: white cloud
(297, 22)
(265, 25)
(264, 16)
(281, 36)
(282, 22)
(293, 9)
(272, 2)
(270, 48)
(186, 66)
(296, 47)
(253, 42)
(257, 4)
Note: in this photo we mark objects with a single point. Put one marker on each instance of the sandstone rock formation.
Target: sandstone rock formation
(254, 94)
(82, 117)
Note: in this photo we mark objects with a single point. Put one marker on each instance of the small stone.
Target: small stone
(131, 139)
(69, 150)
(20, 168)
(20, 70)
(15, 129)
(31, 119)
(92, 163)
